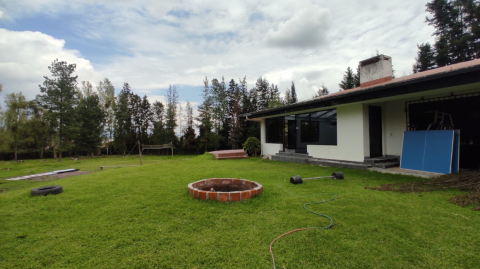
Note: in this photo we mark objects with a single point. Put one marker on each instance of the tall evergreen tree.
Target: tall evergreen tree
(123, 120)
(425, 59)
(457, 30)
(287, 99)
(274, 99)
(235, 125)
(90, 118)
(144, 120)
(262, 95)
(189, 136)
(60, 97)
(322, 91)
(205, 118)
(356, 78)
(158, 120)
(348, 81)
(171, 114)
(293, 94)
(15, 118)
(37, 125)
(106, 93)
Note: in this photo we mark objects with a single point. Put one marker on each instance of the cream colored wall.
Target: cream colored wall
(353, 127)
(350, 136)
(366, 132)
(394, 126)
(272, 149)
(267, 148)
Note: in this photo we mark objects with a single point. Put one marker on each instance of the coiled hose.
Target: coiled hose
(311, 211)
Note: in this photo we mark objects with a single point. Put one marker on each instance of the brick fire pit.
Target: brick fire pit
(225, 189)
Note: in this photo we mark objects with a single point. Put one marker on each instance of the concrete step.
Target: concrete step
(381, 160)
(292, 159)
(332, 163)
(321, 162)
(386, 165)
(292, 154)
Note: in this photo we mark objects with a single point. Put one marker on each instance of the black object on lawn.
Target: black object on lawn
(47, 190)
(298, 179)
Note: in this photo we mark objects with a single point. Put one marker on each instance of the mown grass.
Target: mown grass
(143, 217)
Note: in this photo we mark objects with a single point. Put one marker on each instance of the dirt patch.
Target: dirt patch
(465, 181)
(58, 176)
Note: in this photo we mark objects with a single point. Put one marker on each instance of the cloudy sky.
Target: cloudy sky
(152, 44)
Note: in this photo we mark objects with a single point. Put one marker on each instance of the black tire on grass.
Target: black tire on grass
(47, 190)
(296, 180)
(338, 175)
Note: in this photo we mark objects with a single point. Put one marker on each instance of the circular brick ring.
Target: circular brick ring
(225, 189)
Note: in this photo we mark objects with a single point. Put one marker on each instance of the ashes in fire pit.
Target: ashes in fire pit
(225, 189)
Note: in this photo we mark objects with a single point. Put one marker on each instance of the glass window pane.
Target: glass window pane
(274, 130)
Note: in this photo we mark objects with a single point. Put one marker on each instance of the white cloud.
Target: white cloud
(25, 57)
(306, 29)
(180, 42)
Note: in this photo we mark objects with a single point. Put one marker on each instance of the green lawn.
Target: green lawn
(143, 217)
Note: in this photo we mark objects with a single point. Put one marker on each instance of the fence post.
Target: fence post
(140, 152)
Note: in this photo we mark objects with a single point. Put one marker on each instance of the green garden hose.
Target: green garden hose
(311, 211)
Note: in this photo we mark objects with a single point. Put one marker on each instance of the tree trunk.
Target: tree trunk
(41, 153)
(54, 152)
(16, 149)
(60, 156)
(91, 154)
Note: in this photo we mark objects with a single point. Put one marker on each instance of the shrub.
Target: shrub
(252, 146)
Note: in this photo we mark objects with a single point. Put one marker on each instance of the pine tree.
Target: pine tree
(457, 30)
(235, 109)
(220, 107)
(37, 125)
(262, 95)
(90, 118)
(134, 104)
(123, 119)
(15, 118)
(356, 78)
(189, 136)
(425, 59)
(60, 97)
(144, 120)
(106, 93)
(158, 120)
(287, 99)
(293, 94)
(171, 114)
(205, 111)
(348, 81)
(322, 91)
(274, 99)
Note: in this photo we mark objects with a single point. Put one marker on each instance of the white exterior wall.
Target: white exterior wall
(267, 148)
(350, 136)
(394, 125)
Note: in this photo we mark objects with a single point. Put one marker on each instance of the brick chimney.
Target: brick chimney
(375, 70)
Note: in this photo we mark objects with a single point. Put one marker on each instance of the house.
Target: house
(358, 125)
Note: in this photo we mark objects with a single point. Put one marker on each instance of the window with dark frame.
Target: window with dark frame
(274, 130)
(316, 128)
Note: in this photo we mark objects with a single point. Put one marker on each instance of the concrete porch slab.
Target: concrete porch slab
(405, 172)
